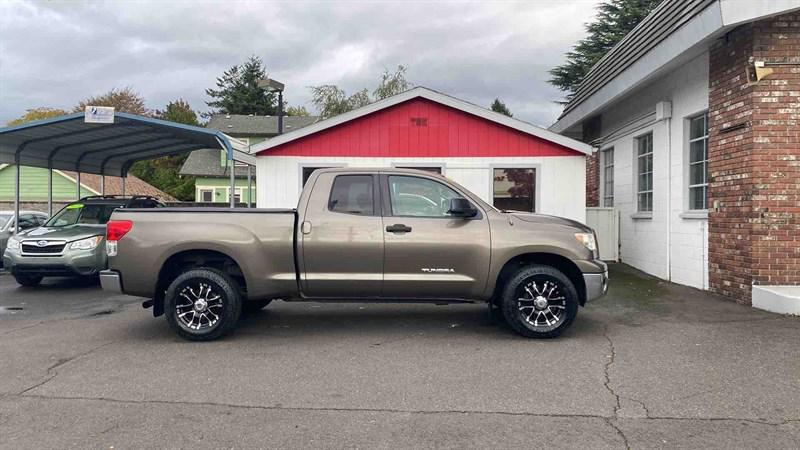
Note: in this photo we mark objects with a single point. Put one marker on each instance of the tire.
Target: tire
(213, 291)
(28, 280)
(527, 314)
(254, 306)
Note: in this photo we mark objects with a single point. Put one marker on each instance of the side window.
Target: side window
(419, 197)
(26, 221)
(353, 194)
(514, 189)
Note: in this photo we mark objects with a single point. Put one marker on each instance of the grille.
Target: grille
(50, 249)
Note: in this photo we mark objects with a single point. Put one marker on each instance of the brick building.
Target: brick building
(695, 117)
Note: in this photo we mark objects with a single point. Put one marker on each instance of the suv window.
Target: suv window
(353, 194)
(419, 197)
(27, 221)
(83, 213)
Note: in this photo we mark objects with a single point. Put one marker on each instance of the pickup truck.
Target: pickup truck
(373, 235)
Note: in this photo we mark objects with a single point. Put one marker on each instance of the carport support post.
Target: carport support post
(49, 191)
(78, 186)
(16, 195)
(223, 142)
(249, 186)
(102, 185)
(124, 175)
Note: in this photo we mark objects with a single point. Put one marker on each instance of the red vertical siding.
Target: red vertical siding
(420, 128)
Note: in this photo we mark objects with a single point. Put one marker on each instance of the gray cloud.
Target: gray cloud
(57, 53)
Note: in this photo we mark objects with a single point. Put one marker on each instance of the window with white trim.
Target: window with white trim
(607, 161)
(698, 162)
(206, 195)
(644, 171)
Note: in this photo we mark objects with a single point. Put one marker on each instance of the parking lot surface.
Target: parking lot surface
(652, 365)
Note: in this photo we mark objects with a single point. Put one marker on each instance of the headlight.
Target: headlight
(13, 243)
(86, 244)
(587, 239)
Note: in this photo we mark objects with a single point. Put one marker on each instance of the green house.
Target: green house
(210, 166)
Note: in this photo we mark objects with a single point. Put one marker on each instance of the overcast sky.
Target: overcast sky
(56, 53)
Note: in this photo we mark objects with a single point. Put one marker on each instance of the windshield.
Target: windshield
(4, 219)
(79, 213)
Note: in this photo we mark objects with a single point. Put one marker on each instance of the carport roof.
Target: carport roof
(69, 143)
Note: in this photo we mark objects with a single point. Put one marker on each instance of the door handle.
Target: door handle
(305, 227)
(398, 228)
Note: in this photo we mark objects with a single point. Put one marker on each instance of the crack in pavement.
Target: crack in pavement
(400, 411)
(50, 373)
(607, 384)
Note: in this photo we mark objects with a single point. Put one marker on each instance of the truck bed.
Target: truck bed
(261, 241)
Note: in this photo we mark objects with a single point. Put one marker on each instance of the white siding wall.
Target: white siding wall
(561, 181)
(668, 245)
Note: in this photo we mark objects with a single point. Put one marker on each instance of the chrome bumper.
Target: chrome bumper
(110, 281)
(596, 284)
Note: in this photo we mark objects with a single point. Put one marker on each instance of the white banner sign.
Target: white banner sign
(99, 114)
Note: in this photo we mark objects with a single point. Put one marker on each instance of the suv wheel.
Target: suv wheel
(28, 280)
(539, 302)
(202, 304)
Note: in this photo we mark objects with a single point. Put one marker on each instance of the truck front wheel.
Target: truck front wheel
(202, 304)
(539, 302)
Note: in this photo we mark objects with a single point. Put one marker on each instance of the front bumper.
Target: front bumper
(68, 263)
(596, 283)
(110, 281)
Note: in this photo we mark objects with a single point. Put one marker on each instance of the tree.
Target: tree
(164, 172)
(37, 114)
(238, 92)
(123, 100)
(500, 107)
(392, 83)
(614, 20)
(300, 111)
(330, 100)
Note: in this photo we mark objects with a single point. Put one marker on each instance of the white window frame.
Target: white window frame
(604, 165)
(238, 191)
(201, 190)
(537, 182)
(636, 158)
(402, 165)
(689, 164)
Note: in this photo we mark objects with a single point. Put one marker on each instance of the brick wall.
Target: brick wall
(593, 180)
(754, 159)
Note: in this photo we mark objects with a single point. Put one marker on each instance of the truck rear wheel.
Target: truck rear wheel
(202, 304)
(539, 302)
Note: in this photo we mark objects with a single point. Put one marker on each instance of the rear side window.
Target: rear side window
(353, 194)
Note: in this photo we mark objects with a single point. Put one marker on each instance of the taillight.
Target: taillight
(115, 229)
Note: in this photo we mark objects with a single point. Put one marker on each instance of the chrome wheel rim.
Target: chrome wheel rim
(542, 303)
(199, 307)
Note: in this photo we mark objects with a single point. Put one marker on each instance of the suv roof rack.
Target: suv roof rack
(113, 196)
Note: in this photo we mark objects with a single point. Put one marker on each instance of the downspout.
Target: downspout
(669, 197)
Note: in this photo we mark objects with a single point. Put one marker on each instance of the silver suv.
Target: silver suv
(71, 243)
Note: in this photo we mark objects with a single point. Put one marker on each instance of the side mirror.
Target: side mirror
(461, 207)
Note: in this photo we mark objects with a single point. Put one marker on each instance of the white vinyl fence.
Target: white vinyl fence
(605, 222)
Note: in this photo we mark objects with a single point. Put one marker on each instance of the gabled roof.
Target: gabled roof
(671, 31)
(250, 125)
(434, 96)
(207, 163)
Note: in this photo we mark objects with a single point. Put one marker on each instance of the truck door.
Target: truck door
(342, 237)
(430, 254)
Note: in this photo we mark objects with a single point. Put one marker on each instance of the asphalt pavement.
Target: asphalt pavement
(652, 365)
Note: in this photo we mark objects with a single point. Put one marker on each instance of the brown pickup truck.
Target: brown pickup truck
(377, 235)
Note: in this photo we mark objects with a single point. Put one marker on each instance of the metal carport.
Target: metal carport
(70, 143)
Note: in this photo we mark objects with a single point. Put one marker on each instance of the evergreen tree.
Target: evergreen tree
(238, 92)
(500, 107)
(615, 19)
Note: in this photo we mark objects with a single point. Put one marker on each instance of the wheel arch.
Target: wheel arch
(562, 263)
(182, 260)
